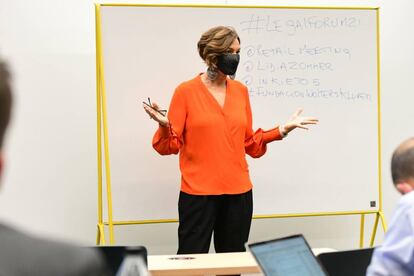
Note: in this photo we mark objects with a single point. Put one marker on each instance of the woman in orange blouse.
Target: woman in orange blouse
(210, 124)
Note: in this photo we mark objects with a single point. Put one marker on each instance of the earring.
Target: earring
(212, 73)
(232, 76)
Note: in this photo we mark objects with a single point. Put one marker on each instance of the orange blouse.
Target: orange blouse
(212, 140)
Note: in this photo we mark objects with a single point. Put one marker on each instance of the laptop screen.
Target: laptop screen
(290, 256)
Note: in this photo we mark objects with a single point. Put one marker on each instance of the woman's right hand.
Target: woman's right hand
(157, 116)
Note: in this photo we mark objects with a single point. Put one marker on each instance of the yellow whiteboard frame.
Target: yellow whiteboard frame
(102, 129)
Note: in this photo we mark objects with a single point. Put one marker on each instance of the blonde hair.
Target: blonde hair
(215, 42)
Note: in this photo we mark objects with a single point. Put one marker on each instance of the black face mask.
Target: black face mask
(227, 63)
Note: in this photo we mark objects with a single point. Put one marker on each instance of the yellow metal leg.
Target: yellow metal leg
(384, 224)
(101, 98)
(374, 230)
(361, 231)
(100, 237)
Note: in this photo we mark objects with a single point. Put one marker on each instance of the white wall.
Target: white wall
(50, 184)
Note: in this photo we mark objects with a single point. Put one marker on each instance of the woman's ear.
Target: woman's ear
(404, 187)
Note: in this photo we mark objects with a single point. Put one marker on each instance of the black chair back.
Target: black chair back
(346, 263)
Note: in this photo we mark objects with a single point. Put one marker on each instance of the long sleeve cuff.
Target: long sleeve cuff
(164, 131)
(272, 135)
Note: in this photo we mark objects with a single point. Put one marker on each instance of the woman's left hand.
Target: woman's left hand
(298, 121)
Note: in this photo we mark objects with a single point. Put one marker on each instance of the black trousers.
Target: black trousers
(227, 216)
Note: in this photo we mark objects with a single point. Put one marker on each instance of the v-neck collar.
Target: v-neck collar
(205, 89)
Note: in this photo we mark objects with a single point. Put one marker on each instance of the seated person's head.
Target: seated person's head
(402, 167)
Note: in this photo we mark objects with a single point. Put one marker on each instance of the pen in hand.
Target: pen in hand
(155, 113)
(160, 111)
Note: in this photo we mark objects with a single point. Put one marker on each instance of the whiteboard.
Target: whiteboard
(324, 60)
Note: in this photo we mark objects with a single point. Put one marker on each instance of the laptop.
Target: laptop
(345, 263)
(288, 256)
